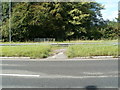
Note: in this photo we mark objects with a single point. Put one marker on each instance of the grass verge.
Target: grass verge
(92, 50)
(32, 51)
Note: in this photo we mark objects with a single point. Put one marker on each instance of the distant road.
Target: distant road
(62, 44)
(19, 73)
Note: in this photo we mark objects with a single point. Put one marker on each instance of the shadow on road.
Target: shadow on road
(86, 88)
(91, 88)
(96, 88)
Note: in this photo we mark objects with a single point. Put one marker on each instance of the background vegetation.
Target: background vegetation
(62, 21)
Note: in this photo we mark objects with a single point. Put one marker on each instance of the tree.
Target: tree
(69, 20)
(111, 30)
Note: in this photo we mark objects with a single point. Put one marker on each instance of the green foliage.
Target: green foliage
(111, 30)
(4, 26)
(63, 21)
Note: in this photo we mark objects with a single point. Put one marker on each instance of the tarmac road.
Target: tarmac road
(61, 44)
(25, 73)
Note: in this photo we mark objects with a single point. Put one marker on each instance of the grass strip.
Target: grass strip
(34, 51)
(92, 50)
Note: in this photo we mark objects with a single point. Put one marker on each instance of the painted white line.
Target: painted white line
(77, 77)
(19, 75)
(58, 76)
(90, 73)
(99, 73)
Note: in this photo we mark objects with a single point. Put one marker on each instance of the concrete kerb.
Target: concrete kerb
(14, 57)
(73, 59)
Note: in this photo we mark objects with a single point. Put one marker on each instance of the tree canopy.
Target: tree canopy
(59, 20)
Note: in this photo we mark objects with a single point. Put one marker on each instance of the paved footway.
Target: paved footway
(59, 54)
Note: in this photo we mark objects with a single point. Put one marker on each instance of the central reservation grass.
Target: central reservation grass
(32, 51)
(92, 50)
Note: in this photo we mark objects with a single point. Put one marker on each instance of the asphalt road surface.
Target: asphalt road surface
(61, 44)
(27, 73)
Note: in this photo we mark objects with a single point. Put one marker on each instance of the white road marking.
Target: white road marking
(19, 75)
(58, 76)
(91, 73)
(76, 77)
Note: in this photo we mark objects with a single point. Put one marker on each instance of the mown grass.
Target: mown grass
(92, 50)
(32, 51)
